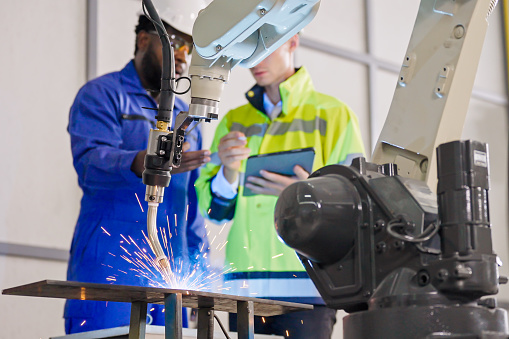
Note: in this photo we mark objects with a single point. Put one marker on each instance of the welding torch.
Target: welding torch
(164, 149)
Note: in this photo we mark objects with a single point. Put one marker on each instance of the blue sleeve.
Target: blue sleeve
(96, 139)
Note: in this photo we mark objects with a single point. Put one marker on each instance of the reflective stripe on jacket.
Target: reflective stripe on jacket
(262, 265)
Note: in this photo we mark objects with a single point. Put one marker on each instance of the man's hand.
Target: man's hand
(232, 150)
(190, 160)
(272, 183)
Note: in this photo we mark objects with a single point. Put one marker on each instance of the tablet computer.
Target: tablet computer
(279, 162)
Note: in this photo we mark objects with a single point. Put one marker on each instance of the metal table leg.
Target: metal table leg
(245, 319)
(173, 316)
(205, 323)
(138, 322)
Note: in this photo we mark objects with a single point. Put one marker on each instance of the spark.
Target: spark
(302, 322)
(277, 256)
(139, 202)
(187, 211)
(112, 254)
(222, 228)
(295, 276)
(244, 285)
(287, 334)
(152, 309)
(127, 241)
(263, 319)
(175, 223)
(223, 245)
(208, 212)
(83, 323)
(250, 267)
(194, 276)
(104, 230)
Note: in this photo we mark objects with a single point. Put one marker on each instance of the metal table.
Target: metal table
(174, 300)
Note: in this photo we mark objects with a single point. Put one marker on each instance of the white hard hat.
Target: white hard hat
(180, 14)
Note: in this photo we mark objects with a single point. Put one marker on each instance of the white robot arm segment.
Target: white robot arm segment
(246, 33)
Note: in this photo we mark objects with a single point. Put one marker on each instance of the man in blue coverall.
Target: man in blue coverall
(109, 124)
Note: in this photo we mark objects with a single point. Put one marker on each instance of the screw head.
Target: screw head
(459, 31)
(162, 152)
(219, 48)
(263, 11)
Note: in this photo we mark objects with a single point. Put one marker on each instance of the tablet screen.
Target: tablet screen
(279, 162)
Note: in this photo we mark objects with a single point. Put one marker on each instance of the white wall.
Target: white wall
(43, 64)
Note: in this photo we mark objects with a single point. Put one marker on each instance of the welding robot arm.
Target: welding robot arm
(434, 86)
(226, 33)
(374, 237)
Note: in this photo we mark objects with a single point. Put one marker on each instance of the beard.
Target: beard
(151, 70)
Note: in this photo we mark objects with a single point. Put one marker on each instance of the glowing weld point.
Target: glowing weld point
(105, 231)
(139, 202)
(276, 256)
(83, 323)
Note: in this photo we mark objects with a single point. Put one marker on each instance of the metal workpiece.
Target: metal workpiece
(138, 322)
(173, 316)
(121, 293)
(245, 319)
(205, 323)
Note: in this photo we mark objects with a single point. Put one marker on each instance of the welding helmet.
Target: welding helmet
(180, 14)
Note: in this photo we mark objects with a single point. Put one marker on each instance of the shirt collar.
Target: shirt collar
(269, 106)
(298, 86)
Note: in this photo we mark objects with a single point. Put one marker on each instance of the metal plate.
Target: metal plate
(120, 293)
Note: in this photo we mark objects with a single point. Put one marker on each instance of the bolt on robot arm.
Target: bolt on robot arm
(226, 33)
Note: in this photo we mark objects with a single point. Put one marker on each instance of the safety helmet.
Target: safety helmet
(180, 14)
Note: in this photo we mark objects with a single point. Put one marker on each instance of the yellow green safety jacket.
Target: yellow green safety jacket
(261, 265)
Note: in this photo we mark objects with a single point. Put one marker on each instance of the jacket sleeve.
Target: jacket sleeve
(96, 138)
(343, 141)
(213, 206)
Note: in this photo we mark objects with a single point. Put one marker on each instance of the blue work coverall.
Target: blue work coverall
(108, 127)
